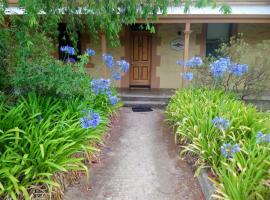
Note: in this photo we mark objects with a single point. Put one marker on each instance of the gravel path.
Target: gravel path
(140, 162)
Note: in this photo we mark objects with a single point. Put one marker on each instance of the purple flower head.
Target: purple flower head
(70, 60)
(63, 48)
(90, 120)
(193, 62)
(109, 92)
(235, 149)
(124, 65)
(262, 137)
(219, 67)
(188, 76)
(85, 122)
(68, 49)
(100, 86)
(90, 52)
(267, 138)
(238, 69)
(113, 99)
(259, 137)
(228, 150)
(221, 123)
(116, 76)
(108, 60)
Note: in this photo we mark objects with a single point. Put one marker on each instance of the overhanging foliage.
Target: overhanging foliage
(96, 15)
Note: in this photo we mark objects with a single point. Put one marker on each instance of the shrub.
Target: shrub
(221, 132)
(249, 78)
(39, 137)
(51, 77)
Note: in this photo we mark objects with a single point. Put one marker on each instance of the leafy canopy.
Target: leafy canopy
(96, 15)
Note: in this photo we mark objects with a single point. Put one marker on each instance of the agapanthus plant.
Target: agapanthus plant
(228, 150)
(221, 123)
(124, 65)
(238, 69)
(116, 75)
(193, 62)
(90, 52)
(262, 138)
(116, 67)
(225, 65)
(219, 67)
(188, 76)
(90, 120)
(68, 49)
(100, 86)
(108, 60)
(70, 60)
(103, 87)
(113, 99)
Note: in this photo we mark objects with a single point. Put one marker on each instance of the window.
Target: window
(217, 34)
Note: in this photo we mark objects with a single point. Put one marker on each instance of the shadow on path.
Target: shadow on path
(140, 163)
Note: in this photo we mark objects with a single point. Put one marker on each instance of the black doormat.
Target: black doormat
(142, 109)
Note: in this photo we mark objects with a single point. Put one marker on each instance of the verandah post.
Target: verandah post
(186, 48)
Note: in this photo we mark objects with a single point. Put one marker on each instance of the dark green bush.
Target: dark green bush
(51, 77)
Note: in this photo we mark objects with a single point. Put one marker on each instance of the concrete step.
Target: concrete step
(144, 98)
(153, 104)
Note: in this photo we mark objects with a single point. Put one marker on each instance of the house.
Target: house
(178, 36)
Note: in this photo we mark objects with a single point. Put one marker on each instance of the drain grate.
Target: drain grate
(142, 109)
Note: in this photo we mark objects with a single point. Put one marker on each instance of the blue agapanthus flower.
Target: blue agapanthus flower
(100, 86)
(259, 138)
(238, 69)
(228, 150)
(267, 138)
(124, 65)
(188, 76)
(90, 120)
(113, 99)
(193, 62)
(262, 138)
(90, 52)
(116, 75)
(219, 67)
(108, 60)
(70, 60)
(221, 123)
(68, 49)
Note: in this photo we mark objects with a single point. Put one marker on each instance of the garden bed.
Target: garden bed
(46, 143)
(227, 137)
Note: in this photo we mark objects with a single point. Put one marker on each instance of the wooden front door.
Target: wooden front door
(140, 59)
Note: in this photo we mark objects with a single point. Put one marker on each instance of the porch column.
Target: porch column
(186, 48)
(103, 51)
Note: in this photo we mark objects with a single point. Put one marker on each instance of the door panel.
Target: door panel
(136, 53)
(136, 73)
(145, 46)
(144, 73)
(140, 59)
